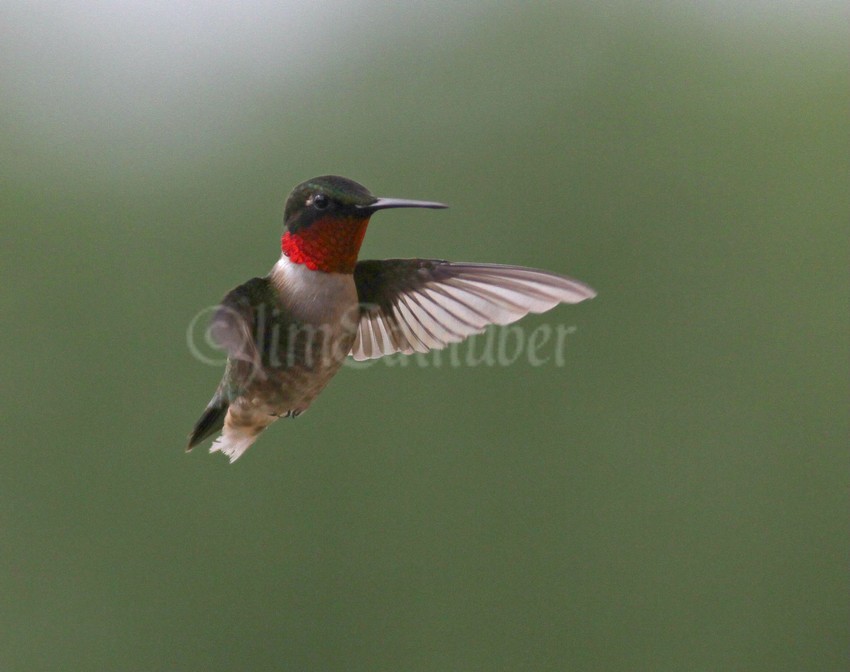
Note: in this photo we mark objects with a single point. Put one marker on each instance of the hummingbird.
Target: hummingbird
(288, 333)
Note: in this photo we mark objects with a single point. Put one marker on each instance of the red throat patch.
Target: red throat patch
(330, 244)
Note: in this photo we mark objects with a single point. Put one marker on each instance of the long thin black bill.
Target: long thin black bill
(384, 203)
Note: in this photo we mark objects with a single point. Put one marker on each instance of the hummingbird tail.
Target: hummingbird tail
(210, 421)
(233, 442)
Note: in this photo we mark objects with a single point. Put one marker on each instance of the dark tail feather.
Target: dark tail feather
(210, 422)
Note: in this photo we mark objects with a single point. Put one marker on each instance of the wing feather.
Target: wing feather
(234, 323)
(417, 305)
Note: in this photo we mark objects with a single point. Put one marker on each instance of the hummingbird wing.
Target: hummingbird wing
(233, 328)
(234, 325)
(417, 305)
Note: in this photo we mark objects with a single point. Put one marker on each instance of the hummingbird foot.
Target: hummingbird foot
(294, 413)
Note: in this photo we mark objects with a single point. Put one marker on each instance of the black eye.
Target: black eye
(320, 201)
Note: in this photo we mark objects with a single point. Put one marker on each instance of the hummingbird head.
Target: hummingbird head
(325, 220)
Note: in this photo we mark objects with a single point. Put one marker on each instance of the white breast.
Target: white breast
(315, 297)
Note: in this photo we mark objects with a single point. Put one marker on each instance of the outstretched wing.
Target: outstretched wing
(417, 305)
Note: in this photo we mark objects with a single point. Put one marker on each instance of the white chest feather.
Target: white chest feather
(315, 297)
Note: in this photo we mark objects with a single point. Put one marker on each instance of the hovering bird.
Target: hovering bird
(288, 333)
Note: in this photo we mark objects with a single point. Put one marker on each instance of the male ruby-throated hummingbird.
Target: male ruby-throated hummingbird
(287, 334)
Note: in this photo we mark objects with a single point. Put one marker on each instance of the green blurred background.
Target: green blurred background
(673, 498)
